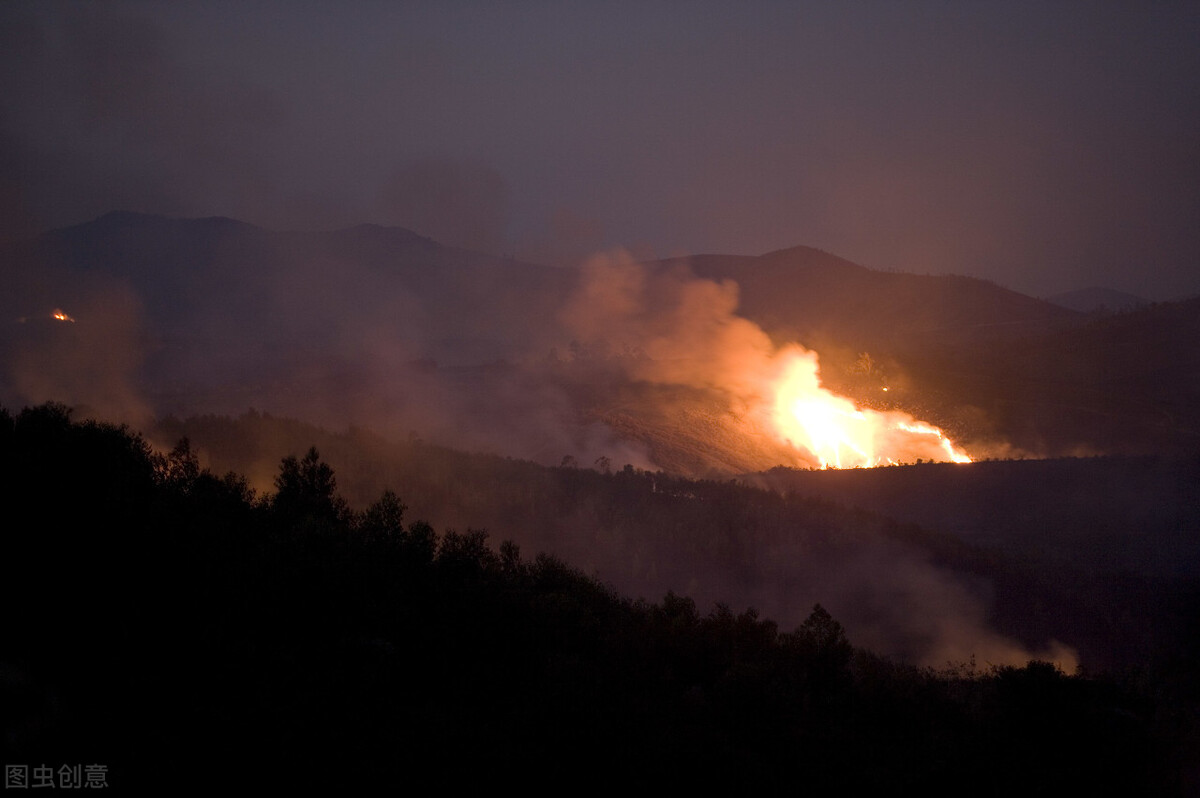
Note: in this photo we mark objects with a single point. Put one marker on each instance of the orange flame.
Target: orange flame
(687, 333)
(61, 316)
(840, 434)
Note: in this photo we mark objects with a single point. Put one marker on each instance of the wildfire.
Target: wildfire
(840, 434)
(688, 333)
(61, 316)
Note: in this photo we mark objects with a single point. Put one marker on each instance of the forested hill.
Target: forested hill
(808, 295)
(178, 630)
(1115, 514)
(848, 540)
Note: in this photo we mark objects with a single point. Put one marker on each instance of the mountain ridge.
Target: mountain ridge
(376, 325)
(1095, 299)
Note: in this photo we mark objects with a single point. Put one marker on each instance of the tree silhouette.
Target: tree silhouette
(306, 490)
(384, 519)
(821, 641)
(173, 620)
(181, 468)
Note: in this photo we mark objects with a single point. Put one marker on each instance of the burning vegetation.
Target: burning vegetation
(684, 332)
(842, 435)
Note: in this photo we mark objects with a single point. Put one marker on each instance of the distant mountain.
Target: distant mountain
(987, 364)
(228, 280)
(384, 328)
(812, 296)
(1097, 300)
(1125, 383)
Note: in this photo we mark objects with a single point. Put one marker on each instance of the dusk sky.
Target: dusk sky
(1045, 146)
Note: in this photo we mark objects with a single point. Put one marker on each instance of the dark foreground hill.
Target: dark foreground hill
(176, 630)
(929, 563)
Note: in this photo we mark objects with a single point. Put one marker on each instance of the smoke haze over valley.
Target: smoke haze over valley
(647, 367)
(822, 356)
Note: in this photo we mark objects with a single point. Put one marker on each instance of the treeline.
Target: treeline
(804, 542)
(187, 633)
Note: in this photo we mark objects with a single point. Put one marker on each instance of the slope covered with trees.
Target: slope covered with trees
(186, 632)
(916, 562)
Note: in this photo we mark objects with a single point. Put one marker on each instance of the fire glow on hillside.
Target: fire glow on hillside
(687, 332)
(840, 434)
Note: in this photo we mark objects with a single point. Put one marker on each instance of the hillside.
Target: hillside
(1125, 383)
(1138, 515)
(1101, 301)
(1005, 556)
(827, 302)
(207, 287)
(385, 329)
(1001, 371)
(177, 629)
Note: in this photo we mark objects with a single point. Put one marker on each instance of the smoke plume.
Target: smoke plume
(680, 330)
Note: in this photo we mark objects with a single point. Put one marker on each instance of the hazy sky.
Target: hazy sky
(1046, 146)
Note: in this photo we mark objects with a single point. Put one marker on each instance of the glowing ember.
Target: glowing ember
(841, 435)
(58, 314)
